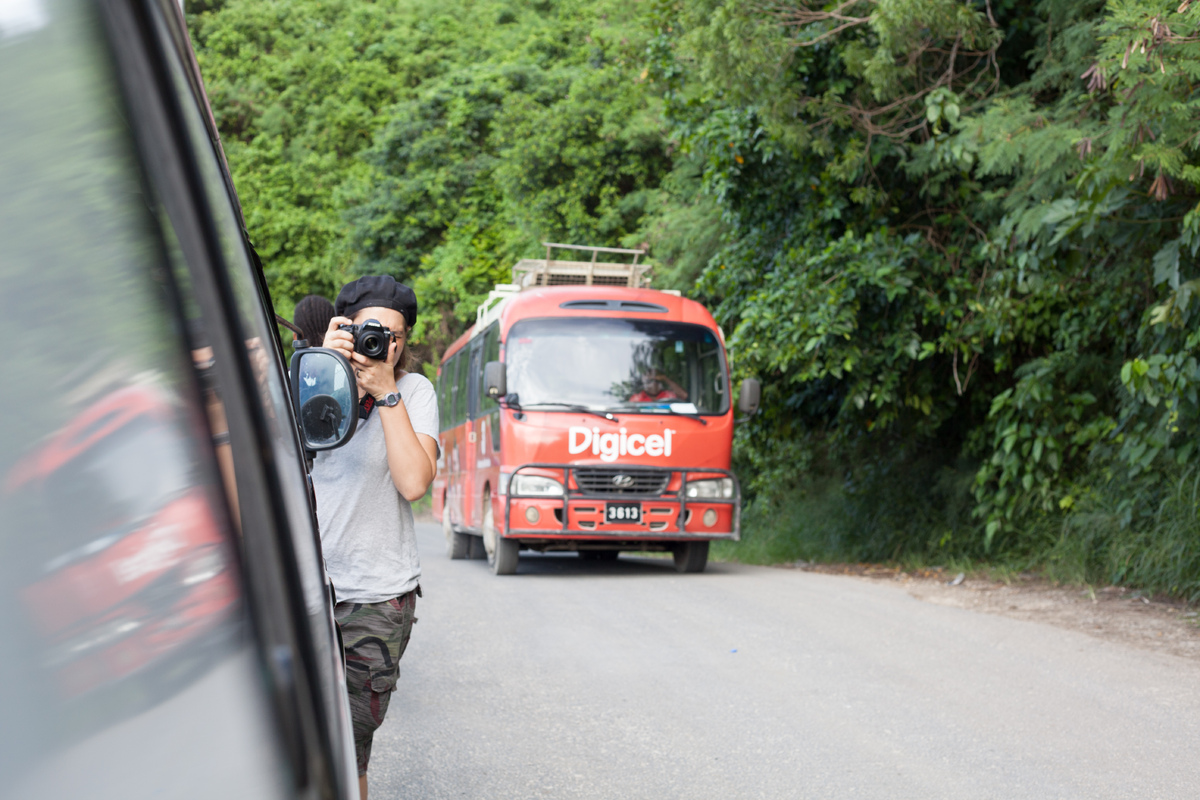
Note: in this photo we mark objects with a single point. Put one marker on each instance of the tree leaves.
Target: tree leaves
(941, 227)
(1000, 252)
(406, 137)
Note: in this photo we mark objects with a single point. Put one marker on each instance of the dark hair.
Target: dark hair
(312, 316)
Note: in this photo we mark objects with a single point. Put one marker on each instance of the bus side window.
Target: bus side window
(443, 393)
(460, 388)
(452, 386)
(475, 379)
(446, 388)
(487, 405)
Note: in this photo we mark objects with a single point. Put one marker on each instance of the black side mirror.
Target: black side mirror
(495, 380)
(749, 396)
(325, 396)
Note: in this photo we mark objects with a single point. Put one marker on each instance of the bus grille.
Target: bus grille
(614, 480)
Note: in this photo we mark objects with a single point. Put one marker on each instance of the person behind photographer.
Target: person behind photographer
(312, 316)
(364, 491)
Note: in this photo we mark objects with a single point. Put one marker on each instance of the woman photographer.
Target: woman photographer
(364, 491)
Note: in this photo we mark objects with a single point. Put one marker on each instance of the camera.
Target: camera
(371, 338)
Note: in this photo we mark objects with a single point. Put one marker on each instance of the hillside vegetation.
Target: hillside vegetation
(957, 241)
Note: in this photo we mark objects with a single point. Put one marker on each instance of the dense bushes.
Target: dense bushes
(958, 234)
(434, 140)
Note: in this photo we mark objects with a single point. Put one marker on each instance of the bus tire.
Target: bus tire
(503, 554)
(457, 544)
(691, 556)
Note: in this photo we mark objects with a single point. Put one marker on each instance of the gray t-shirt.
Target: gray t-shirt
(367, 532)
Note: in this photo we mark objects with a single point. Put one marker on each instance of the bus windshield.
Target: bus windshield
(629, 365)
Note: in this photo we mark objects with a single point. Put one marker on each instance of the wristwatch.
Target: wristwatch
(390, 399)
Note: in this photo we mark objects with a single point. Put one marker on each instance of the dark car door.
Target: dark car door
(252, 313)
(164, 623)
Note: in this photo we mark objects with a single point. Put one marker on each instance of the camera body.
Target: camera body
(370, 338)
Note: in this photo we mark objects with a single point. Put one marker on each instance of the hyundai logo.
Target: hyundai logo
(622, 481)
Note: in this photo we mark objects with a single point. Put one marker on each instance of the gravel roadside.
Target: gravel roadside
(1113, 613)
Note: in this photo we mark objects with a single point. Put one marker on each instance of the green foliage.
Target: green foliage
(1134, 532)
(298, 88)
(958, 242)
(935, 237)
(547, 138)
(909, 506)
(433, 141)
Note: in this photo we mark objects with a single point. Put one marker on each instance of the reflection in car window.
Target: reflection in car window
(283, 469)
(112, 487)
(257, 333)
(120, 594)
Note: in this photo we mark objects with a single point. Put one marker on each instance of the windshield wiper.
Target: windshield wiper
(661, 410)
(701, 419)
(565, 407)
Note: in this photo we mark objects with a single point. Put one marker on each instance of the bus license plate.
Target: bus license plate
(623, 512)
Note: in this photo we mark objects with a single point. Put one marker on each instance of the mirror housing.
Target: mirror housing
(495, 380)
(749, 396)
(324, 397)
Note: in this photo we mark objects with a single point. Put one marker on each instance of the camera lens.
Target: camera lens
(374, 345)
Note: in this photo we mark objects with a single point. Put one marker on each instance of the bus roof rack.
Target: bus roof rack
(529, 273)
(489, 310)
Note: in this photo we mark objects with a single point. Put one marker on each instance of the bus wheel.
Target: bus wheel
(457, 544)
(691, 556)
(502, 554)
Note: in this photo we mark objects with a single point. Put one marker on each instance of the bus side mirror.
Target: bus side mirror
(495, 380)
(325, 397)
(749, 396)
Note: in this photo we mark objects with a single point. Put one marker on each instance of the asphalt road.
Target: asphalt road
(575, 679)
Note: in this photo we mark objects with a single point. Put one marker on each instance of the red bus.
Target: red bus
(586, 412)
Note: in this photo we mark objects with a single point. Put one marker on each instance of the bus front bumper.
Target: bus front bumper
(587, 516)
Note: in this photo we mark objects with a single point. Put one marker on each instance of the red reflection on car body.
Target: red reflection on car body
(153, 571)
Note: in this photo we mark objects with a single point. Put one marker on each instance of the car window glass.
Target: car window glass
(258, 332)
(120, 597)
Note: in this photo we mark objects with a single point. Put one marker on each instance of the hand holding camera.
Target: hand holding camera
(371, 348)
(370, 338)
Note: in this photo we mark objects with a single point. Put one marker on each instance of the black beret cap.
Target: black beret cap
(382, 291)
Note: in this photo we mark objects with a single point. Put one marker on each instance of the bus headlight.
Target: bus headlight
(716, 488)
(535, 486)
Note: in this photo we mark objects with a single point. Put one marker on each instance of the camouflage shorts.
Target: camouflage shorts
(375, 636)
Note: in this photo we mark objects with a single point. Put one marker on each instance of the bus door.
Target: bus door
(487, 422)
(454, 371)
(470, 447)
(445, 392)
